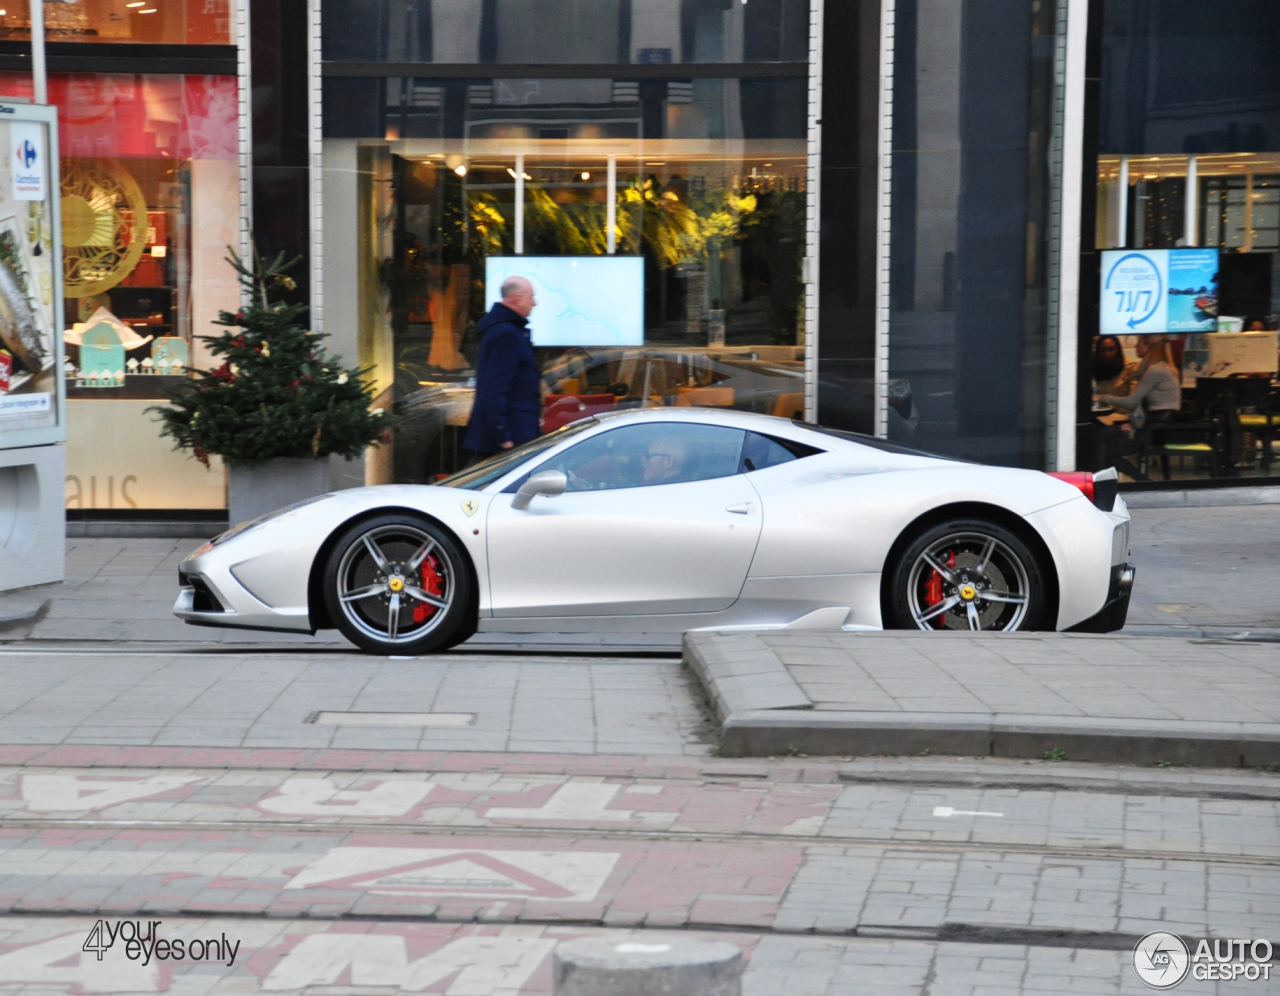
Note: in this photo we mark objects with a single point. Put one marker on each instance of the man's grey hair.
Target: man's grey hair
(511, 285)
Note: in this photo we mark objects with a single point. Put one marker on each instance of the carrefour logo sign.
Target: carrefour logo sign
(26, 162)
(26, 154)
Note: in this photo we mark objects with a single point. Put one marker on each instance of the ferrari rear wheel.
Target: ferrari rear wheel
(968, 574)
(398, 584)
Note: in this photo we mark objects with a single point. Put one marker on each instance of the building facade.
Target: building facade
(890, 216)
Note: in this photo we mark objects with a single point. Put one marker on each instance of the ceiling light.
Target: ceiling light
(512, 173)
(149, 10)
(586, 176)
(460, 170)
(137, 3)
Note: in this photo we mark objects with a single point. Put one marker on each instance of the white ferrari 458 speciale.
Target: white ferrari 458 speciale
(677, 519)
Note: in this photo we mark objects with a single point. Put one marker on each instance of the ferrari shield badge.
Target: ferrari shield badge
(469, 506)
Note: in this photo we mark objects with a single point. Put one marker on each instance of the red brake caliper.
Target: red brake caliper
(933, 587)
(432, 584)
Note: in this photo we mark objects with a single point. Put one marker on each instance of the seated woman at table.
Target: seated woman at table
(1157, 395)
(1112, 374)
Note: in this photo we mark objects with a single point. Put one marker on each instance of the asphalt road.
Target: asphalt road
(1209, 569)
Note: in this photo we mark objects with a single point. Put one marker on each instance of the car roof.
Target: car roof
(768, 425)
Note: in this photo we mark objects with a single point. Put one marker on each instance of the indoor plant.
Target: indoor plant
(277, 406)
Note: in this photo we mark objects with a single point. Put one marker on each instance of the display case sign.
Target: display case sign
(170, 355)
(1160, 291)
(101, 357)
(31, 390)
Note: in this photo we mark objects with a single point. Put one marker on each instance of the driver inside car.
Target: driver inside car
(664, 460)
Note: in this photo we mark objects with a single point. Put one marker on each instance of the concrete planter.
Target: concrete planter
(254, 491)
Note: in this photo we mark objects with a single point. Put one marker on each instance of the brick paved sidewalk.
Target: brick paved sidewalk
(460, 872)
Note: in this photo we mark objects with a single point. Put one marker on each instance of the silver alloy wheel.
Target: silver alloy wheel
(380, 583)
(981, 583)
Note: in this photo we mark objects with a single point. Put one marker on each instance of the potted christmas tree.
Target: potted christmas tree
(277, 407)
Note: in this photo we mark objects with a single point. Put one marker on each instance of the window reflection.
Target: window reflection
(168, 22)
(566, 31)
(638, 456)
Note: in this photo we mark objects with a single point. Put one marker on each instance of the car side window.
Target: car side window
(638, 456)
(759, 452)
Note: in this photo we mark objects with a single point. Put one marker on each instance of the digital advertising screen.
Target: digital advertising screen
(1158, 291)
(581, 300)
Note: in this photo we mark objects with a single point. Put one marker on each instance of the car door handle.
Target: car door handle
(742, 508)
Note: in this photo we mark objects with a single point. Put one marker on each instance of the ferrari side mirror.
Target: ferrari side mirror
(545, 482)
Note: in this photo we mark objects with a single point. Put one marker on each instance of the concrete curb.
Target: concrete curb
(1217, 745)
(988, 773)
(741, 674)
(82, 529)
(763, 712)
(1202, 497)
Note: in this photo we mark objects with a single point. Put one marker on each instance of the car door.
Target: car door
(656, 519)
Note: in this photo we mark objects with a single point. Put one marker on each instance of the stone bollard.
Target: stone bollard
(656, 965)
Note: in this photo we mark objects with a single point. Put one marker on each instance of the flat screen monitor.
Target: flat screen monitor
(581, 300)
(1158, 291)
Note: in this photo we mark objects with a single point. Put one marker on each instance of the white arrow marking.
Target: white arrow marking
(946, 812)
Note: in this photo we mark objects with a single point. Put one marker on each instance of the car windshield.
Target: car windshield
(487, 471)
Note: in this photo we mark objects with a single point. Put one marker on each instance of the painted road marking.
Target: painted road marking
(573, 876)
(946, 812)
(581, 801)
(481, 964)
(60, 961)
(304, 796)
(74, 794)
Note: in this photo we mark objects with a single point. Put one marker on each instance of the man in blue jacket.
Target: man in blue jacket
(508, 397)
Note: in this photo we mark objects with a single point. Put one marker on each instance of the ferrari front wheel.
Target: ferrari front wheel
(398, 584)
(967, 574)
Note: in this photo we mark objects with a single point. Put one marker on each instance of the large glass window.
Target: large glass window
(1187, 197)
(150, 201)
(566, 31)
(970, 227)
(167, 22)
(695, 188)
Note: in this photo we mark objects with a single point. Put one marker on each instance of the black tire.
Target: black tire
(966, 583)
(372, 571)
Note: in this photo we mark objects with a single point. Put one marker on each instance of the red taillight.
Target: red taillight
(1077, 479)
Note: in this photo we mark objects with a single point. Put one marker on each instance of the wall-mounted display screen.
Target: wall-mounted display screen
(1158, 291)
(581, 300)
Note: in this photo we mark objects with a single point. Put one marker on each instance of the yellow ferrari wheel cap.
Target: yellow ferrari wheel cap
(396, 584)
(968, 592)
